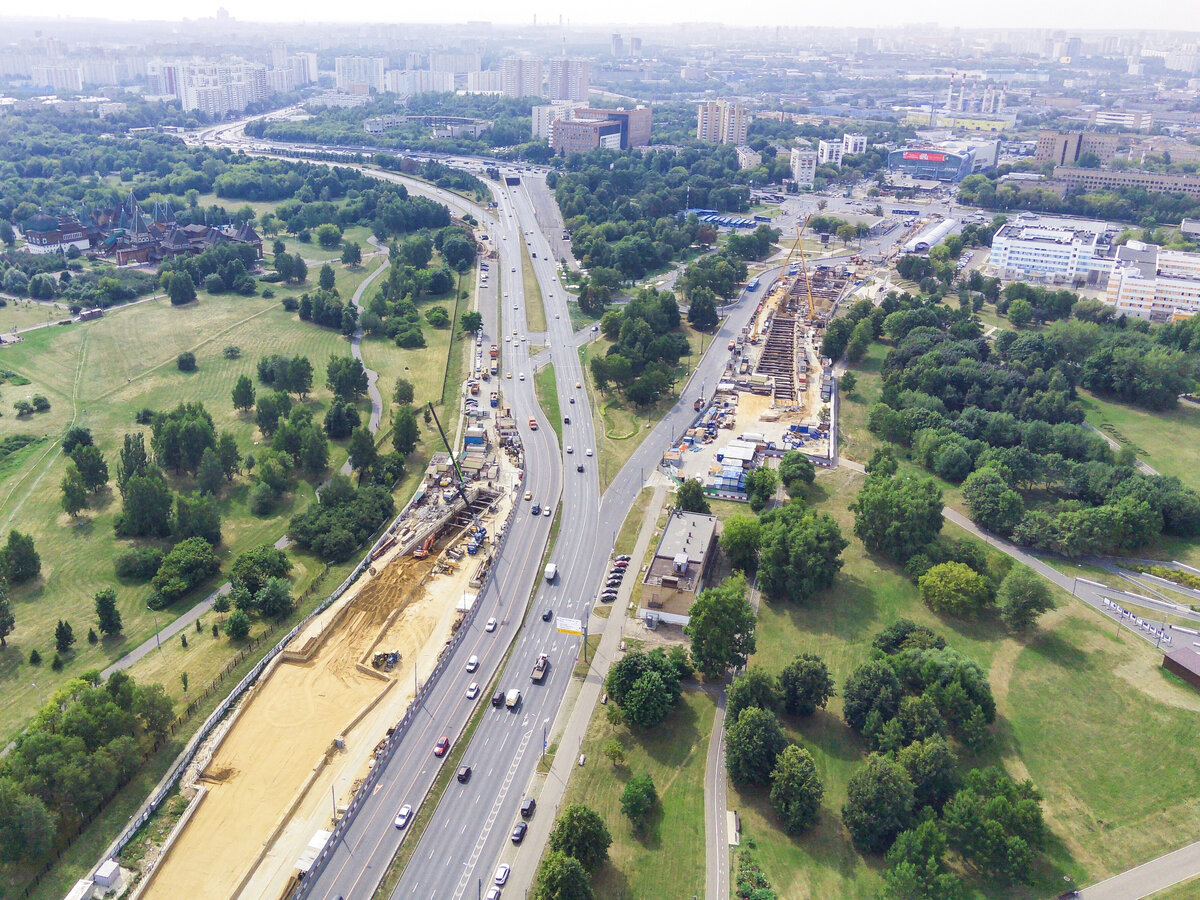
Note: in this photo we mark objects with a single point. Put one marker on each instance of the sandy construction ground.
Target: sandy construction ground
(284, 732)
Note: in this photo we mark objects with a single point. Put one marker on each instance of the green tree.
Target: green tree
(614, 750)
(107, 614)
(897, 516)
(252, 569)
(180, 288)
(346, 377)
(996, 824)
(352, 253)
(800, 552)
(189, 563)
(237, 626)
(871, 691)
(20, 561)
(210, 477)
(740, 537)
(847, 383)
(147, 508)
(562, 877)
(404, 393)
(796, 789)
(796, 471)
(27, 827)
(690, 497)
(274, 599)
(362, 452)
(806, 685)
(702, 309)
(329, 235)
(243, 393)
(1020, 313)
(471, 322)
(64, 636)
(405, 430)
(8, 621)
(916, 867)
(932, 767)
(993, 504)
(581, 833)
(761, 484)
(754, 687)
(326, 279)
(752, 744)
(1022, 597)
(152, 705)
(91, 465)
(956, 589)
(721, 627)
(648, 701)
(638, 800)
(133, 460)
(879, 804)
(74, 491)
(186, 362)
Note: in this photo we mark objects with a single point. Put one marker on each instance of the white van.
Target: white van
(472, 663)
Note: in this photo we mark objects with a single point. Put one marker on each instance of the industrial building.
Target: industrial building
(1056, 253)
(1152, 283)
(682, 561)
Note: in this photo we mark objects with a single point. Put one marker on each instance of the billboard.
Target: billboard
(564, 625)
(925, 155)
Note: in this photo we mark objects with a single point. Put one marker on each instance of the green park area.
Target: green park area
(1168, 440)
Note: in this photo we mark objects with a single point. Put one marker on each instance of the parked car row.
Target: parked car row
(616, 575)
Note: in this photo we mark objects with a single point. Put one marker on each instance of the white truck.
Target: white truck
(551, 571)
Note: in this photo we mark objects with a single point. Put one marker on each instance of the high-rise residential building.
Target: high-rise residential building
(829, 153)
(304, 66)
(99, 70)
(359, 70)
(279, 55)
(489, 81)
(1152, 283)
(162, 78)
(281, 81)
(617, 45)
(635, 46)
(521, 77)
(721, 122)
(400, 81)
(1063, 148)
(455, 63)
(59, 77)
(569, 79)
(854, 144)
(221, 88)
(804, 166)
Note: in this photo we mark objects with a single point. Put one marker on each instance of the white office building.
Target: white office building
(1152, 283)
(804, 166)
(1055, 253)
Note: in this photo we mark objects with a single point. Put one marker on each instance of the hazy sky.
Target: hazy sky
(1160, 14)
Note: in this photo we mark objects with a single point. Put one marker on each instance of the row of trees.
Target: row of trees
(647, 347)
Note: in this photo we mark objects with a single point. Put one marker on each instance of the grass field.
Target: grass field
(546, 387)
(97, 374)
(1111, 720)
(854, 440)
(18, 314)
(668, 859)
(535, 309)
(1169, 441)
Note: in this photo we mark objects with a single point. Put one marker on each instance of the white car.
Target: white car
(501, 876)
(522, 376)
(492, 894)
(589, 451)
(403, 816)
(473, 690)
(547, 511)
(491, 624)
(570, 449)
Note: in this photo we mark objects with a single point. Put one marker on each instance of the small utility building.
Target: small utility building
(680, 565)
(1184, 662)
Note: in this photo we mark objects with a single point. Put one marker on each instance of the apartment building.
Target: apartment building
(1126, 119)
(804, 166)
(829, 153)
(570, 79)
(854, 144)
(58, 77)
(747, 157)
(521, 77)
(352, 71)
(1056, 253)
(1152, 283)
(400, 81)
(722, 122)
(454, 63)
(489, 81)
(221, 88)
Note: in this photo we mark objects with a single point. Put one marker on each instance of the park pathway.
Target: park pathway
(356, 350)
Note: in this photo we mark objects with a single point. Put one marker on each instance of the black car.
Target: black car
(624, 557)
(579, 468)
(528, 805)
(537, 509)
(566, 420)
(464, 774)
(518, 832)
(498, 699)
(547, 615)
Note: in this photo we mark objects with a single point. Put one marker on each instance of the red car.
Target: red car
(441, 747)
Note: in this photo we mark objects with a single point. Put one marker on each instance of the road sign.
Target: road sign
(568, 626)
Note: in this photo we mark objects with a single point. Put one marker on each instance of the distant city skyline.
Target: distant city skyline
(1075, 15)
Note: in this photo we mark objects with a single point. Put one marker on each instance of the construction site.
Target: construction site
(776, 391)
(329, 700)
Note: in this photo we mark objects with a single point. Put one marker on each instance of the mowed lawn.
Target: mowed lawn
(1169, 441)
(18, 314)
(98, 374)
(667, 860)
(1085, 714)
(854, 440)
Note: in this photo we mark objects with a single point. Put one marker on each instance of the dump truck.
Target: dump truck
(540, 668)
(494, 352)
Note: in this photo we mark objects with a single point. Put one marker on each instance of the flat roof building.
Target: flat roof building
(1105, 179)
(1058, 254)
(587, 129)
(1063, 148)
(359, 70)
(681, 562)
(1152, 283)
(830, 153)
(570, 79)
(804, 166)
(722, 122)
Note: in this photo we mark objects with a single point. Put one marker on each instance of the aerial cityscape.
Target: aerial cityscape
(698, 455)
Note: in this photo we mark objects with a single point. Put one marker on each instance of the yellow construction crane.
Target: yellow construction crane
(812, 308)
(781, 287)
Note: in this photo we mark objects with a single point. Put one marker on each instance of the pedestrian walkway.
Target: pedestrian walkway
(571, 739)
(716, 824)
(1149, 878)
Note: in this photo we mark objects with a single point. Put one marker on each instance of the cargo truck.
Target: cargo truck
(540, 668)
